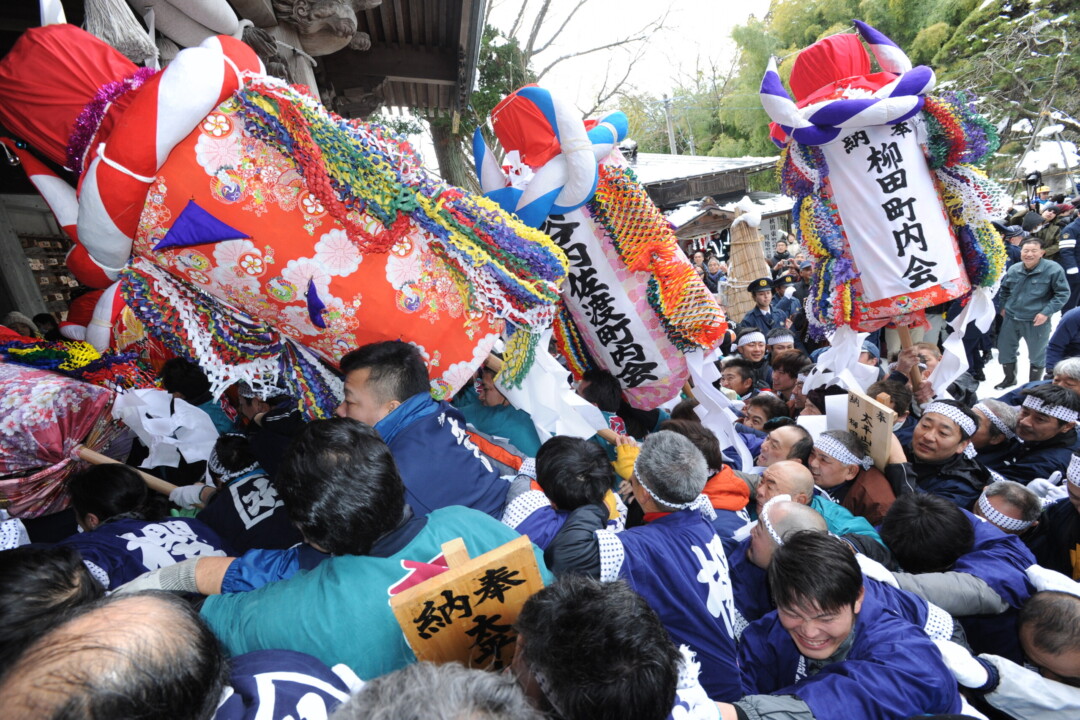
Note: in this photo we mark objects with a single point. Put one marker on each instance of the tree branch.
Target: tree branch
(556, 34)
(603, 95)
(617, 43)
(643, 34)
(540, 16)
(517, 21)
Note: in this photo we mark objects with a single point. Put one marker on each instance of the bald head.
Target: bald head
(790, 442)
(786, 477)
(785, 517)
(131, 656)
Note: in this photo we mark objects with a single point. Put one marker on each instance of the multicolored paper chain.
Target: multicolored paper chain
(570, 344)
(315, 385)
(79, 360)
(228, 344)
(957, 133)
(646, 243)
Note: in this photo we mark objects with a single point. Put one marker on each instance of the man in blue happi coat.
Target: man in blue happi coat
(964, 564)
(828, 654)
(1045, 435)
(781, 518)
(1048, 685)
(573, 476)
(675, 560)
(589, 650)
(121, 537)
(387, 387)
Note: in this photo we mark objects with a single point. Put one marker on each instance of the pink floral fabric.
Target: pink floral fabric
(43, 416)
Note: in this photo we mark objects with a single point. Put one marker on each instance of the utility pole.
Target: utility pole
(670, 125)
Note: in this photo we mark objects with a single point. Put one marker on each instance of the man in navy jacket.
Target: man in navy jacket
(1046, 435)
(1068, 259)
(386, 387)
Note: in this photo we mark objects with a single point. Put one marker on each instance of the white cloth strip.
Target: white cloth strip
(999, 518)
(1073, 473)
(1060, 412)
(751, 337)
(764, 517)
(665, 503)
(953, 413)
(777, 339)
(995, 421)
(836, 450)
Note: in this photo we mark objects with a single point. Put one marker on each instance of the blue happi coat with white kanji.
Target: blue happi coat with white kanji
(677, 563)
(248, 514)
(121, 550)
(284, 685)
(891, 671)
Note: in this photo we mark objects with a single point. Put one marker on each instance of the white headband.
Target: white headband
(836, 450)
(751, 337)
(1073, 473)
(953, 413)
(666, 503)
(995, 420)
(999, 518)
(777, 339)
(224, 476)
(763, 516)
(1060, 412)
(970, 452)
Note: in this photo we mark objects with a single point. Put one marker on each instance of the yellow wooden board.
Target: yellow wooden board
(873, 422)
(467, 613)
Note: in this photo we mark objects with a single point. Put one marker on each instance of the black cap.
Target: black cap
(784, 280)
(760, 284)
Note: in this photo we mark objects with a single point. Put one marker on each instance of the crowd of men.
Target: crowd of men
(679, 581)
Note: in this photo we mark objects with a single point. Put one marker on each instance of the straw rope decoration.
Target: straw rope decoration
(499, 265)
(645, 243)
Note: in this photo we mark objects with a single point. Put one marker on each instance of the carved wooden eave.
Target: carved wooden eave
(423, 57)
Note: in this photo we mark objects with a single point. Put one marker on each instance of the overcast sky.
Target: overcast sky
(694, 29)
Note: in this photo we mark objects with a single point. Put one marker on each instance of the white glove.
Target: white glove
(187, 496)
(789, 292)
(875, 571)
(968, 671)
(1043, 486)
(1046, 579)
(172, 578)
(1058, 493)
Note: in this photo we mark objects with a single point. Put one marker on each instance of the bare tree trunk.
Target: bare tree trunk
(454, 166)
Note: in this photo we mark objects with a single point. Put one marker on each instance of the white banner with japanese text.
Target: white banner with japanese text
(899, 236)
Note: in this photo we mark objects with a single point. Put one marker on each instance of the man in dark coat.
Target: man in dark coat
(1046, 435)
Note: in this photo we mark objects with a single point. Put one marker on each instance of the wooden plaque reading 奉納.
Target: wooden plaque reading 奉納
(873, 422)
(467, 613)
